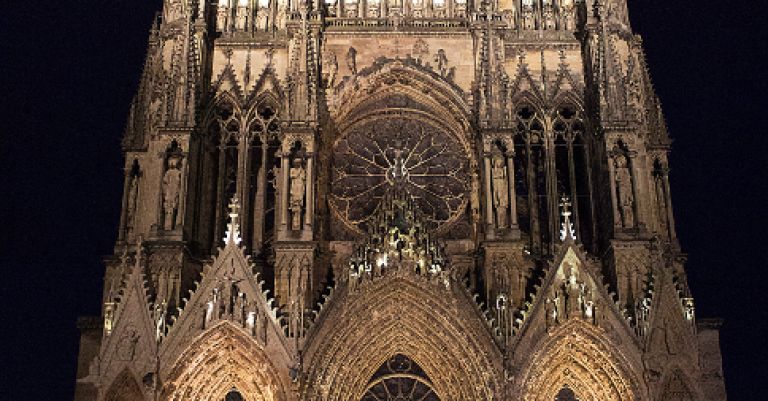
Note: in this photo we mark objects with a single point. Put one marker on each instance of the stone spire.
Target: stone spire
(233, 227)
(567, 233)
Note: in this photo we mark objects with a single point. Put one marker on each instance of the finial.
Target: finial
(233, 227)
(566, 227)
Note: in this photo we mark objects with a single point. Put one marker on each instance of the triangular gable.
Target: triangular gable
(227, 82)
(228, 290)
(572, 289)
(132, 340)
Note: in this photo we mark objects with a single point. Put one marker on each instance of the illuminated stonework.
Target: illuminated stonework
(392, 201)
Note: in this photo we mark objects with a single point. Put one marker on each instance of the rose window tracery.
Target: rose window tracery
(400, 379)
(411, 155)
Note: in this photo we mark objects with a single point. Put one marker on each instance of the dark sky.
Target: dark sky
(70, 68)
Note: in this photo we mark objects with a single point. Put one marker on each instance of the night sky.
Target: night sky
(69, 69)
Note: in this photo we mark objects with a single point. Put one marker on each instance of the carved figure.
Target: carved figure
(442, 62)
(130, 205)
(126, 349)
(262, 18)
(330, 67)
(500, 190)
(298, 184)
(171, 192)
(527, 16)
(624, 188)
(352, 60)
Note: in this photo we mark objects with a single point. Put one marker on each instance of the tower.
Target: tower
(396, 199)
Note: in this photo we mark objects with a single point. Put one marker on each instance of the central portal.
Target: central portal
(400, 379)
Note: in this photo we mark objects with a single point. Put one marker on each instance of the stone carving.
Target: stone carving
(131, 204)
(441, 62)
(262, 17)
(624, 196)
(500, 183)
(298, 177)
(528, 19)
(420, 50)
(352, 60)
(126, 348)
(330, 67)
(171, 192)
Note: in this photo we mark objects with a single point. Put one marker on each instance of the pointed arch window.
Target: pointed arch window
(400, 379)
(234, 395)
(566, 394)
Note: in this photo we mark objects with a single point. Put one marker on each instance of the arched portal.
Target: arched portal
(400, 379)
(220, 360)
(577, 360)
(406, 315)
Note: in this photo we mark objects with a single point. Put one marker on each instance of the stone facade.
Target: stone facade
(396, 200)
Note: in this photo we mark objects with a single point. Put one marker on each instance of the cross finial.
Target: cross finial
(233, 227)
(566, 227)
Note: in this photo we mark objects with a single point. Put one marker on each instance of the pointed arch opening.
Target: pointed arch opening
(400, 379)
(221, 360)
(576, 360)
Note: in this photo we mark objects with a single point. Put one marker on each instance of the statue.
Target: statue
(171, 192)
(528, 18)
(242, 18)
(548, 16)
(130, 205)
(330, 67)
(297, 189)
(500, 190)
(624, 188)
(352, 60)
(442, 62)
(221, 17)
(262, 18)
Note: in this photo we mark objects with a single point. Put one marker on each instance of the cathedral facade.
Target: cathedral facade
(396, 200)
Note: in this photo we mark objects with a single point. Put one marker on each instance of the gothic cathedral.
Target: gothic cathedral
(381, 200)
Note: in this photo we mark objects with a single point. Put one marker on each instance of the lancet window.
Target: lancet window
(239, 160)
(550, 163)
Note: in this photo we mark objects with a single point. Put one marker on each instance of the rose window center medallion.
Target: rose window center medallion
(408, 154)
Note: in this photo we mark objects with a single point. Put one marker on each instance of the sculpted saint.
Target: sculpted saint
(298, 184)
(171, 188)
(500, 190)
(624, 188)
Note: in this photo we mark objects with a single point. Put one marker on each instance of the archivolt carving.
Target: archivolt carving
(397, 315)
(221, 359)
(579, 356)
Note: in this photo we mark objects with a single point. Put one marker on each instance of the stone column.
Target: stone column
(309, 197)
(217, 230)
(284, 196)
(123, 215)
(614, 200)
(512, 197)
(668, 198)
(488, 194)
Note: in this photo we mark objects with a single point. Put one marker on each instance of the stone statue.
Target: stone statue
(500, 190)
(527, 16)
(624, 188)
(297, 189)
(442, 62)
(130, 205)
(242, 18)
(262, 19)
(171, 192)
(352, 60)
(548, 14)
(330, 67)
(221, 18)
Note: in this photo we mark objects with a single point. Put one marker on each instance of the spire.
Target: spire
(567, 233)
(233, 227)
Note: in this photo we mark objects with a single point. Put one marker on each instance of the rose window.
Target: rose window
(377, 156)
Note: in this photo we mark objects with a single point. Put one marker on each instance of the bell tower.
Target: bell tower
(397, 199)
